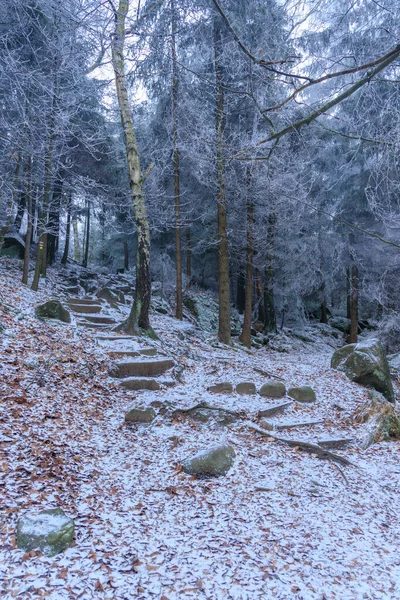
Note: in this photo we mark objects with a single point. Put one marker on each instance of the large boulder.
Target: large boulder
(204, 307)
(111, 296)
(13, 245)
(140, 415)
(383, 423)
(213, 462)
(53, 309)
(340, 323)
(366, 363)
(49, 531)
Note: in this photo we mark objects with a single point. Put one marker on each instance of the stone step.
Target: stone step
(101, 319)
(135, 383)
(85, 308)
(89, 325)
(114, 353)
(141, 368)
(274, 409)
(148, 351)
(113, 337)
(294, 425)
(335, 443)
(83, 301)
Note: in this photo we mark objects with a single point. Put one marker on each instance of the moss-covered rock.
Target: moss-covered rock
(340, 323)
(382, 421)
(304, 393)
(53, 309)
(366, 363)
(246, 387)
(140, 415)
(273, 389)
(213, 462)
(49, 531)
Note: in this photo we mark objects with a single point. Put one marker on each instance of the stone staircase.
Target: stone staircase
(136, 367)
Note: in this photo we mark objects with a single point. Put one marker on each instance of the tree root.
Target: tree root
(307, 446)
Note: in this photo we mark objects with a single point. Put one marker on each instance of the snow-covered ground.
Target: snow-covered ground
(281, 524)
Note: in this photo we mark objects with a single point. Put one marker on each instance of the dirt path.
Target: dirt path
(282, 524)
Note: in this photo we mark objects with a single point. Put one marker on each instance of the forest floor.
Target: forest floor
(282, 524)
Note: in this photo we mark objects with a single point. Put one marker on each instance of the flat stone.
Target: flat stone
(86, 301)
(134, 383)
(246, 387)
(100, 319)
(212, 462)
(148, 351)
(85, 308)
(273, 389)
(141, 368)
(224, 387)
(275, 409)
(49, 531)
(122, 352)
(304, 393)
(140, 415)
(296, 424)
(113, 337)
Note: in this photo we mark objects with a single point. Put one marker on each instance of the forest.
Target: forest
(199, 299)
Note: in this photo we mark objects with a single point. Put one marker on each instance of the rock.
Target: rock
(394, 361)
(340, 323)
(246, 387)
(273, 389)
(141, 368)
(49, 531)
(204, 307)
(304, 393)
(213, 462)
(302, 335)
(335, 443)
(134, 383)
(140, 415)
(224, 387)
(383, 423)
(366, 363)
(13, 245)
(110, 296)
(341, 355)
(53, 309)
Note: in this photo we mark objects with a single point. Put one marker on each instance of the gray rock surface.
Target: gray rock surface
(366, 363)
(213, 462)
(273, 389)
(304, 393)
(140, 415)
(246, 387)
(49, 531)
(53, 309)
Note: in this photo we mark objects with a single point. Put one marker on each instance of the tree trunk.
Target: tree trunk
(177, 193)
(20, 211)
(353, 336)
(224, 329)
(126, 256)
(188, 254)
(240, 291)
(28, 235)
(245, 336)
(54, 220)
(87, 236)
(139, 315)
(11, 203)
(67, 231)
(77, 248)
(260, 298)
(269, 304)
(348, 293)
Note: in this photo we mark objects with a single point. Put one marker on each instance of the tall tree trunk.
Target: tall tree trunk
(348, 293)
(269, 303)
(139, 315)
(241, 291)
(353, 336)
(353, 292)
(67, 231)
(224, 329)
(11, 203)
(54, 219)
(20, 210)
(28, 235)
(188, 254)
(245, 336)
(324, 311)
(87, 236)
(177, 192)
(77, 248)
(41, 267)
(126, 256)
(259, 295)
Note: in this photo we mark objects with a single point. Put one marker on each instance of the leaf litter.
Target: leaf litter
(281, 524)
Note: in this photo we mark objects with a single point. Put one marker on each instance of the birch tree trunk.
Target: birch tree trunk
(177, 192)
(224, 329)
(139, 315)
